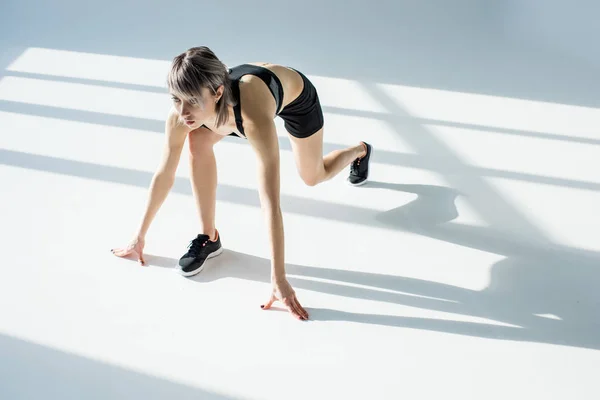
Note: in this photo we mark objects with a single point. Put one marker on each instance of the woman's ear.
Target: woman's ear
(220, 91)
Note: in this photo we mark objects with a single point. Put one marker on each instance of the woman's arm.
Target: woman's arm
(164, 177)
(258, 109)
(262, 136)
(161, 184)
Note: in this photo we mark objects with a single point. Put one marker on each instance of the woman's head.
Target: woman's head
(200, 85)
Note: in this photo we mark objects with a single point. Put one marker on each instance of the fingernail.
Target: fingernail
(262, 306)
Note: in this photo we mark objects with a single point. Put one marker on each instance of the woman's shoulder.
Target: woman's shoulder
(253, 69)
(256, 100)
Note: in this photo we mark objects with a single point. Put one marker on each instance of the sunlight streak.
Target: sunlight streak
(114, 101)
(102, 67)
(497, 112)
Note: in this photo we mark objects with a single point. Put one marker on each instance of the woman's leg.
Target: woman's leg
(313, 167)
(203, 169)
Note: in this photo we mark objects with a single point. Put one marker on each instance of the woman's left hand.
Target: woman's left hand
(283, 291)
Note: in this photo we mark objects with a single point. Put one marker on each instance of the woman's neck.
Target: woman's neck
(227, 128)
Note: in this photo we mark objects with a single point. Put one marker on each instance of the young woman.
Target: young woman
(211, 102)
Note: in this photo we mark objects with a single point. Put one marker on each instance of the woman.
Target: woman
(211, 102)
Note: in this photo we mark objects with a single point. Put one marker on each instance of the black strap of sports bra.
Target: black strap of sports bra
(237, 111)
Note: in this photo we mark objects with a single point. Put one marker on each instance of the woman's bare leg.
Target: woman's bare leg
(203, 170)
(313, 167)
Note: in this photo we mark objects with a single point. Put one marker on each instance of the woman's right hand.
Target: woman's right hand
(135, 246)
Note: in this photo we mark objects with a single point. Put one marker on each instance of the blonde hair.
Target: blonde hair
(198, 68)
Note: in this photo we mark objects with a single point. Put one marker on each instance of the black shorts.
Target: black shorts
(303, 116)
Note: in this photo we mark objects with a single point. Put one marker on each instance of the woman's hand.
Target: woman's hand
(282, 291)
(136, 245)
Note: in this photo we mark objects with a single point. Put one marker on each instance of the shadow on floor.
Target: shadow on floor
(61, 375)
(547, 293)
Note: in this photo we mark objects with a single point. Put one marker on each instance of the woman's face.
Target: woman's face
(195, 111)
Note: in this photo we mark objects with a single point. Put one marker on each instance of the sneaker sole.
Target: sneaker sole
(197, 271)
(358, 184)
(367, 178)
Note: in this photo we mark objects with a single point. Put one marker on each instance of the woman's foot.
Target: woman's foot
(200, 249)
(359, 169)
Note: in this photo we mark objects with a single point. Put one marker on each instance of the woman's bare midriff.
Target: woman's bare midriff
(290, 80)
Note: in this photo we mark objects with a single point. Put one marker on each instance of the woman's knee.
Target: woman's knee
(312, 176)
(310, 180)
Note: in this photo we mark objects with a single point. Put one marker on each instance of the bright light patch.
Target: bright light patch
(346, 94)
(546, 159)
(124, 102)
(100, 67)
(496, 112)
(549, 316)
(566, 215)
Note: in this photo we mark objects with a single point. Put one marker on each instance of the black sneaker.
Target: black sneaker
(200, 249)
(359, 169)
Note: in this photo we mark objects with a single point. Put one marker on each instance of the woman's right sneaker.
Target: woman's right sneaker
(199, 250)
(359, 169)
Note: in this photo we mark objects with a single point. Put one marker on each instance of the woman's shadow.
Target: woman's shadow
(434, 205)
(517, 296)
